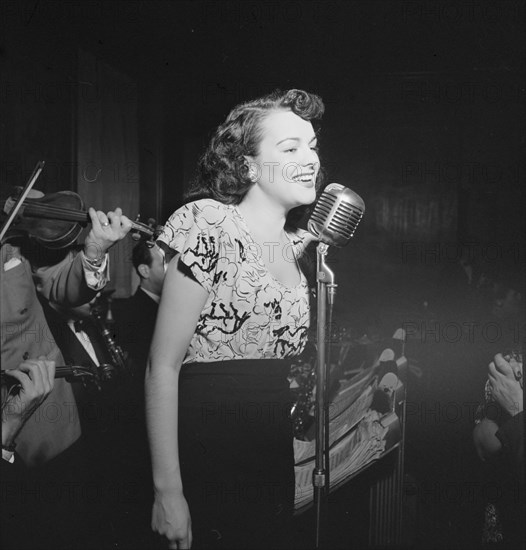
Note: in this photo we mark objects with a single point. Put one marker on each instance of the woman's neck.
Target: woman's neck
(265, 219)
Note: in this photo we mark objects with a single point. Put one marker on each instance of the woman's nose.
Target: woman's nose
(310, 157)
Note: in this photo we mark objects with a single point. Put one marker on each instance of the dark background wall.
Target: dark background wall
(424, 101)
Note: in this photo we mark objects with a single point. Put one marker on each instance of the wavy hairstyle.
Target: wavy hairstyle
(222, 172)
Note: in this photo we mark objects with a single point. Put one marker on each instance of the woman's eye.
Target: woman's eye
(290, 150)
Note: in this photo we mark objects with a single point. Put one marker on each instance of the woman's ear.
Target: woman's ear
(252, 168)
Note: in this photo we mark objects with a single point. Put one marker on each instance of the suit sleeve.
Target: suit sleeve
(64, 283)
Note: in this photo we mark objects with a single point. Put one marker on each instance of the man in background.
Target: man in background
(140, 311)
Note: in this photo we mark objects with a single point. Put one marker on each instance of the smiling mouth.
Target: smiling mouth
(305, 178)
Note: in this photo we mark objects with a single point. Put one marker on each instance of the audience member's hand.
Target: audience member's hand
(35, 379)
(106, 230)
(486, 442)
(505, 387)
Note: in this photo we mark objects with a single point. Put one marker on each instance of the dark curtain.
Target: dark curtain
(107, 152)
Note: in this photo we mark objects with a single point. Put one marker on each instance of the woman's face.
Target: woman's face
(287, 164)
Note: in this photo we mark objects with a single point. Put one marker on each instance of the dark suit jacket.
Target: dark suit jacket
(72, 349)
(17, 517)
(135, 330)
(93, 405)
(135, 324)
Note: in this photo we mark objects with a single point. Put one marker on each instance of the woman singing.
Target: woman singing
(234, 308)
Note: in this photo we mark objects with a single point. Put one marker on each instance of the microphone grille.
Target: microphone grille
(336, 215)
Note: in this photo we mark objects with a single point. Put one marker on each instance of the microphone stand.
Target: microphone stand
(320, 476)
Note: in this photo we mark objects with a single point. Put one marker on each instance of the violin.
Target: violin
(97, 376)
(56, 220)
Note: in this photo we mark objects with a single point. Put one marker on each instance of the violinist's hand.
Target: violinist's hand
(36, 379)
(171, 518)
(106, 230)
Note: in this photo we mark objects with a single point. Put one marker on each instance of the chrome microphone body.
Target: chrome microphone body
(333, 222)
(336, 215)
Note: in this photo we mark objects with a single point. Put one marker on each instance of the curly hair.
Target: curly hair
(222, 172)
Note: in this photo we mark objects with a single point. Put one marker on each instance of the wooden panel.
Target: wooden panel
(107, 152)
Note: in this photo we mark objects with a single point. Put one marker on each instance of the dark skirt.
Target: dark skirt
(236, 452)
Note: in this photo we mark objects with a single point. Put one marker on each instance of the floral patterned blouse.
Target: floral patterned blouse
(249, 314)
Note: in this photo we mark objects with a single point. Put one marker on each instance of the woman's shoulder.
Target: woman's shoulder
(200, 211)
(204, 208)
(203, 215)
(202, 223)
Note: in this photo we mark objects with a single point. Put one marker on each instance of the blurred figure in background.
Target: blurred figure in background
(499, 441)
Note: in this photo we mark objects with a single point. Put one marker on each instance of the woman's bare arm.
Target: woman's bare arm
(181, 304)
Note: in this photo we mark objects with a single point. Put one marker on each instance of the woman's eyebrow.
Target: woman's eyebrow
(287, 139)
(313, 138)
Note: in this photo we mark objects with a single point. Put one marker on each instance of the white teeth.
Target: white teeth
(303, 178)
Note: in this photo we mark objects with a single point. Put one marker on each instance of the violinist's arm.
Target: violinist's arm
(78, 277)
(66, 283)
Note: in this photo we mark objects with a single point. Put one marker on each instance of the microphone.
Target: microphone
(336, 215)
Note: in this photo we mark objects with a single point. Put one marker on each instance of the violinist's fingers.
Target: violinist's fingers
(94, 216)
(49, 370)
(103, 218)
(115, 218)
(21, 375)
(107, 229)
(38, 383)
(119, 223)
(35, 384)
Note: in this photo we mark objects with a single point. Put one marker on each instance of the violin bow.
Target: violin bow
(29, 185)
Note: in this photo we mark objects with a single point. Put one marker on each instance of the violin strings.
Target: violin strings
(81, 216)
(56, 210)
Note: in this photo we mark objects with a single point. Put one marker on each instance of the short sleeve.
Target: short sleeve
(193, 231)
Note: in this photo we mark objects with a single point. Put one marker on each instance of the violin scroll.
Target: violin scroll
(150, 230)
